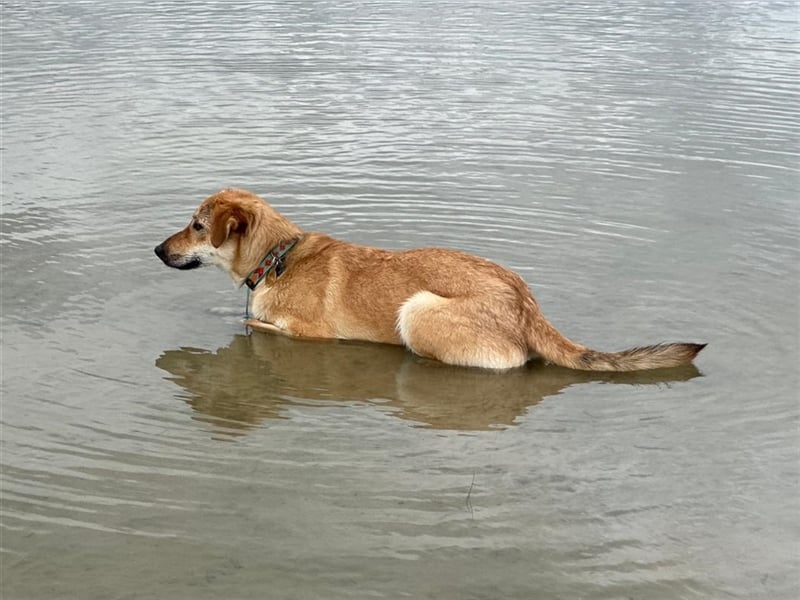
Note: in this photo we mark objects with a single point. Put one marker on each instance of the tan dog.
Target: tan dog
(442, 304)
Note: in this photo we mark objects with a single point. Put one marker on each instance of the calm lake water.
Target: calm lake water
(636, 162)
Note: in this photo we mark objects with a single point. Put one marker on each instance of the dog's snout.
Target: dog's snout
(159, 250)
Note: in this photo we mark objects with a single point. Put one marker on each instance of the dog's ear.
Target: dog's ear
(225, 220)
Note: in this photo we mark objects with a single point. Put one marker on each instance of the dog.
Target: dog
(441, 304)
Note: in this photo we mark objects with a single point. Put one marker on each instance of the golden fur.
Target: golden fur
(442, 304)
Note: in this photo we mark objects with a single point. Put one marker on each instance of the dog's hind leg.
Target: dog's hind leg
(463, 331)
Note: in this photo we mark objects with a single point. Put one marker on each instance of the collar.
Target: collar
(273, 259)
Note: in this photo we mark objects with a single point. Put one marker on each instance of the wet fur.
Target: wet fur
(442, 304)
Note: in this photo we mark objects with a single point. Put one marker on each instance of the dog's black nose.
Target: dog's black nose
(160, 251)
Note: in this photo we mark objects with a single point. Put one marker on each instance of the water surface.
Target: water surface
(636, 162)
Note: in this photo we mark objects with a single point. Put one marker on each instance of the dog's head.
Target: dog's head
(230, 229)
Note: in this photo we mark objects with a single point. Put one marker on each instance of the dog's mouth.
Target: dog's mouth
(178, 262)
(193, 263)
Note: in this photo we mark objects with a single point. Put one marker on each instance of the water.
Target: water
(635, 161)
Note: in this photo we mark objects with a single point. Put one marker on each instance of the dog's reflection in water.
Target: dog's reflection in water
(257, 376)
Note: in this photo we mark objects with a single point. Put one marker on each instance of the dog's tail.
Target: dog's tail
(546, 341)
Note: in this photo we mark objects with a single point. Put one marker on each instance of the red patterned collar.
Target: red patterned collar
(273, 259)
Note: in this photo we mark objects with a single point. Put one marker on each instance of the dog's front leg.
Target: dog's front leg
(264, 326)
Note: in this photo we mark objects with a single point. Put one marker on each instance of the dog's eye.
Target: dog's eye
(197, 226)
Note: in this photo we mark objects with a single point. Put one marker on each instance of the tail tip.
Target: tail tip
(692, 350)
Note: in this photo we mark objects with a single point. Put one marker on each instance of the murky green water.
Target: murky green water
(636, 162)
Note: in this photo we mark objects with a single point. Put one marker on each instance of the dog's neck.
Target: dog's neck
(272, 261)
(267, 230)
